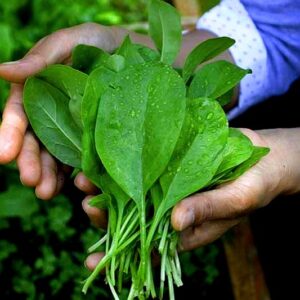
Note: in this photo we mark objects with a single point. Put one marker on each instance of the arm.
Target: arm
(267, 35)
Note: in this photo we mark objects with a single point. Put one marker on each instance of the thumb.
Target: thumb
(49, 50)
(229, 201)
(55, 48)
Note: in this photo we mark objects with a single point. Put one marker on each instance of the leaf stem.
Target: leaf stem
(143, 246)
(98, 244)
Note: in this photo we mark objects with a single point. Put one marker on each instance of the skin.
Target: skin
(201, 218)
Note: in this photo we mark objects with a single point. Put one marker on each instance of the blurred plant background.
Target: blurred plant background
(43, 244)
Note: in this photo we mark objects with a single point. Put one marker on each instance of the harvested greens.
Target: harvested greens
(147, 135)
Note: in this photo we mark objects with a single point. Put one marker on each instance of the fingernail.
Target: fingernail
(187, 219)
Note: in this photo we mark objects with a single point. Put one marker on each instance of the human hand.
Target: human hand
(204, 217)
(37, 167)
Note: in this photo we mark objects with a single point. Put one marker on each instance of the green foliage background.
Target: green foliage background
(43, 244)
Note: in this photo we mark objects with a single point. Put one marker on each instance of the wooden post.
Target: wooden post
(188, 8)
(246, 274)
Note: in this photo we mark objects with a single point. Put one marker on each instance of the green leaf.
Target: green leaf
(198, 152)
(238, 149)
(87, 58)
(147, 54)
(139, 120)
(258, 153)
(70, 82)
(204, 52)
(97, 84)
(112, 188)
(156, 194)
(226, 98)
(17, 201)
(48, 111)
(130, 52)
(215, 79)
(165, 29)
(116, 63)
(100, 201)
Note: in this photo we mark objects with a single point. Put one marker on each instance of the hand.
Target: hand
(37, 167)
(97, 217)
(204, 217)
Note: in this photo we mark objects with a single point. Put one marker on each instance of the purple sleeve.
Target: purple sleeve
(279, 25)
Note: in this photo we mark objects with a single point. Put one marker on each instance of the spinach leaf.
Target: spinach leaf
(156, 195)
(258, 153)
(97, 84)
(204, 52)
(238, 149)
(226, 98)
(87, 58)
(198, 152)
(165, 29)
(115, 63)
(69, 81)
(100, 201)
(130, 52)
(146, 53)
(215, 79)
(139, 120)
(47, 108)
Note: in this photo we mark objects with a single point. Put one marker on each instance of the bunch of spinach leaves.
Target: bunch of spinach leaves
(147, 135)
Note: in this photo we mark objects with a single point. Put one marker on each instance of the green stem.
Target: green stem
(143, 246)
(177, 264)
(170, 280)
(157, 219)
(105, 260)
(101, 265)
(176, 276)
(150, 288)
(127, 262)
(164, 236)
(128, 218)
(111, 286)
(163, 271)
(120, 272)
(97, 244)
(132, 226)
(115, 243)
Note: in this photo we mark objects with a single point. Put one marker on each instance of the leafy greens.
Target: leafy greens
(147, 135)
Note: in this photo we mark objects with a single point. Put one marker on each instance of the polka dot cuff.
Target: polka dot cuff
(231, 19)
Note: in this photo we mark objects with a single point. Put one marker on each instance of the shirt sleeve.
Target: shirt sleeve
(257, 30)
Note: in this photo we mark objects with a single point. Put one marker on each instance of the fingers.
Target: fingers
(51, 178)
(82, 183)
(226, 202)
(92, 260)
(13, 127)
(28, 161)
(98, 217)
(195, 237)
